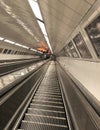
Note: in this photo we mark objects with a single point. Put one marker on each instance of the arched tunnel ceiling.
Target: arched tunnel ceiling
(18, 23)
(61, 17)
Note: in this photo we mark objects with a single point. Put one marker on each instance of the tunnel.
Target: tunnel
(49, 64)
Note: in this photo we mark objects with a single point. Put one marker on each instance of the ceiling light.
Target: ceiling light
(42, 27)
(47, 39)
(35, 8)
(40, 52)
(35, 0)
(8, 41)
(1, 38)
(33, 49)
(26, 47)
(17, 44)
(36, 51)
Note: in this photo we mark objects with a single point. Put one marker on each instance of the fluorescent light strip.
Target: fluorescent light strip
(47, 39)
(17, 44)
(8, 41)
(33, 49)
(26, 47)
(42, 27)
(36, 51)
(36, 10)
(35, 0)
(40, 52)
(45, 34)
(1, 38)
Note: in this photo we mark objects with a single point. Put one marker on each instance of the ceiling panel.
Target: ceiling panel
(61, 17)
(18, 23)
(90, 1)
(78, 6)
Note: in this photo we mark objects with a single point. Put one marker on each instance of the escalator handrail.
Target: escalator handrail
(17, 81)
(13, 70)
(17, 88)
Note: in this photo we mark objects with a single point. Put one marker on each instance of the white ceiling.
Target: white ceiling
(19, 24)
(61, 17)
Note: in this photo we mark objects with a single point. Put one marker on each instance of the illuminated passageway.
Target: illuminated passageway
(49, 64)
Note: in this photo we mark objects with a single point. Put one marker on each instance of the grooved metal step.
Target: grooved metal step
(47, 95)
(47, 103)
(45, 107)
(45, 119)
(48, 90)
(48, 98)
(28, 125)
(47, 113)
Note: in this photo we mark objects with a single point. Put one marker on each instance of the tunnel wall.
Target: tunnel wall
(12, 55)
(85, 72)
(9, 57)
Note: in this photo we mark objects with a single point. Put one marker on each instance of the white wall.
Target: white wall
(12, 57)
(86, 72)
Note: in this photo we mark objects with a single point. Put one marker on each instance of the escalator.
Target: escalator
(8, 67)
(46, 110)
(47, 99)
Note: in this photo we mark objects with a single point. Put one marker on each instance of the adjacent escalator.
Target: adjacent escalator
(9, 67)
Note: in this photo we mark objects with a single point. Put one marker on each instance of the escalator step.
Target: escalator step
(48, 95)
(46, 110)
(47, 99)
(50, 84)
(47, 113)
(48, 103)
(49, 90)
(45, 119)
(41, 126)
(45, 107)
(45, 87)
